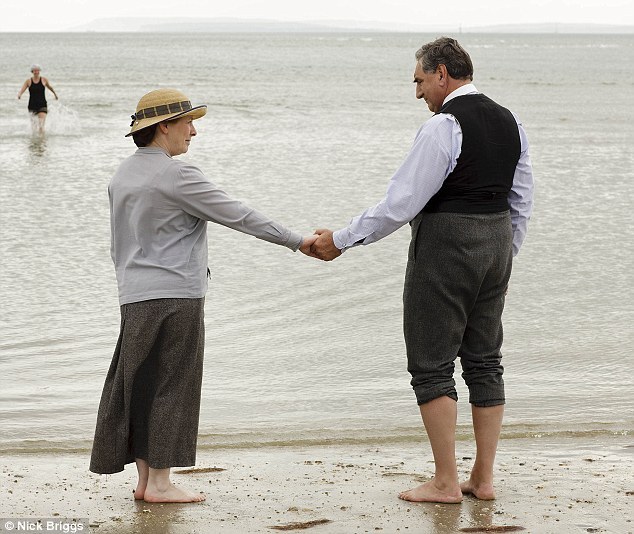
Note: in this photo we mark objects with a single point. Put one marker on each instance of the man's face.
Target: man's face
(179, 135)
(36, 72)
(429, 88)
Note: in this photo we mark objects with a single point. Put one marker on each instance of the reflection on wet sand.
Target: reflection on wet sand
(159, 518)
(482, 516)
(472, 515)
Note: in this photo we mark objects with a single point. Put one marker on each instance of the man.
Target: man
(466, 188)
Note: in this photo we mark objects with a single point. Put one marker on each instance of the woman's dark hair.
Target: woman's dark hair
(446, 51)
(144, 136)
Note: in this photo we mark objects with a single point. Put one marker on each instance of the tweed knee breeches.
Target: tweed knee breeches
(457, 274)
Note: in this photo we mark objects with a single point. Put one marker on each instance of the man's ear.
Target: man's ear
(442, 72)
(163, 127)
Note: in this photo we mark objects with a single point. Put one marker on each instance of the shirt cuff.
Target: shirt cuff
(294, 241)
(338, 239)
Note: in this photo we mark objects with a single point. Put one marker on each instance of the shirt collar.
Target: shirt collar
(461, 91)
(153, 150)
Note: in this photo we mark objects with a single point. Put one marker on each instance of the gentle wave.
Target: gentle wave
(294, 345)
(322, 438)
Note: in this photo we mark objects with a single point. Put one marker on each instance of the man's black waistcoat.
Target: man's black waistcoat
(483, 176)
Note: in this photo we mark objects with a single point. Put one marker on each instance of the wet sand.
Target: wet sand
(544, 485)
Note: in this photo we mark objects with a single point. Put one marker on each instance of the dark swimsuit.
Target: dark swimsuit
(37, 100)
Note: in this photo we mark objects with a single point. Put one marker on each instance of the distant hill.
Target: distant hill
(552, 27)
(196, 25)
(216, 25)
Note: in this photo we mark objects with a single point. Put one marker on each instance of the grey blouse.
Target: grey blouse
(159, 208)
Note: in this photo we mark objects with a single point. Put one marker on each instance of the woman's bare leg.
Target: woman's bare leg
(144, 471)
(41, 119)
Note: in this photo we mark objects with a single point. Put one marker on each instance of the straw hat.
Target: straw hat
(163, 105)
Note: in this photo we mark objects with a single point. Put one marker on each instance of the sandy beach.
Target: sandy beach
(544, 485)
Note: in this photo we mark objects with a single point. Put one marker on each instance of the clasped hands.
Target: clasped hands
(320, 245)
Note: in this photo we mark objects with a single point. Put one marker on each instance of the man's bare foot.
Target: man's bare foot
(171, 494)
(428, 492)
(482, 491)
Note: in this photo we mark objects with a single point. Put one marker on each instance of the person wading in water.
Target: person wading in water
(37, 100)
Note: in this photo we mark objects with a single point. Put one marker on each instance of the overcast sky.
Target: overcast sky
(60, 15)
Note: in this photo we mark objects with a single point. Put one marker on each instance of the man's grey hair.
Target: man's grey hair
(446, 51)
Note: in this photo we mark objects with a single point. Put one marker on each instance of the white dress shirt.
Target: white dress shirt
(431, 159)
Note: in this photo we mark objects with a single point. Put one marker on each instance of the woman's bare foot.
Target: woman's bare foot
(170, 493)
(144, 471)
(139, 492)
(482, 491)
(429, 492)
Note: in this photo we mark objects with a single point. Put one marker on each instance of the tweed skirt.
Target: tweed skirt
(150, 403)
(457, 275)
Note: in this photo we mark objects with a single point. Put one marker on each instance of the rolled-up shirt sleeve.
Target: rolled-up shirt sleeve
(200, 197)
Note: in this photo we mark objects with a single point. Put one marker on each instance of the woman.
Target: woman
(37, 99)
(159, 209)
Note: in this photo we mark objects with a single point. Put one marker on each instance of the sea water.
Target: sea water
(309, 128)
